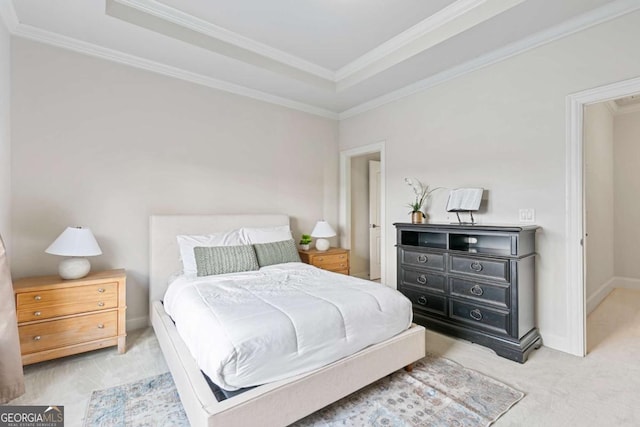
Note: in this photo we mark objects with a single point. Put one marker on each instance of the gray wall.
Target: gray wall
(104, 146)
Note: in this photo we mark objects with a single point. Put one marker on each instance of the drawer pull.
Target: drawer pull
(422, 300)
(476, 266)
(422, 279)
(37, 338)
(320, 259)
(100, 304)
(475, 314)
(37, 313)
(100, 326)
(101, 290)
(422, 259)
(37, 298)
(477, 290)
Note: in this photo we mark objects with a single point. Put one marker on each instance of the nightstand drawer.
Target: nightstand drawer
(492, 320)
(331, 262)
(59, 333)
(495, 269)
(64, 301)
(430, 260)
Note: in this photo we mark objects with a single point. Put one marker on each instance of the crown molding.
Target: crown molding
(47, 37)
(191, 22)
(9, 16)
(589, 19)
(428, 25)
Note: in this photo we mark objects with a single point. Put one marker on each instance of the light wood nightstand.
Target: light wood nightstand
(334, 259)
(58, 317)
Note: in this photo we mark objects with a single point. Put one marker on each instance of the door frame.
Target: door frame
(575, 205)
(344, 217)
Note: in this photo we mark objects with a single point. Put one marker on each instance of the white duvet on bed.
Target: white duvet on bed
(247, 329)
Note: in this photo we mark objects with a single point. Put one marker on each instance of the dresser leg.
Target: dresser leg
(122, 345)
(409, 367)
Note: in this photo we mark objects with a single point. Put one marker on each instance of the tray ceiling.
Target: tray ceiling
(334, 58)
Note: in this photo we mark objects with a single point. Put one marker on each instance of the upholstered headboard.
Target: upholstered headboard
(164, 255)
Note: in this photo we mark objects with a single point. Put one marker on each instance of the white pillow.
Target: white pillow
(265, 234)
(186, 244)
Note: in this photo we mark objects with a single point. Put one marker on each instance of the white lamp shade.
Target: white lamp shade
(75, 242)
(322, 230)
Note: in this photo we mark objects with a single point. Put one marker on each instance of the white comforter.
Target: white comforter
(247, 329)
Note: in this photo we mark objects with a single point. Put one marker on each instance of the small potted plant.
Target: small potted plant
(305, 241)
(422, 193)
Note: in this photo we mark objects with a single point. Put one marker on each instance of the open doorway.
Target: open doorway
(576, 236)
(362, 215)
(611, 212)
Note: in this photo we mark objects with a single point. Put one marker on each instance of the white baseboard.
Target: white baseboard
(610, 285)
(598, 296)
(137, 323)
(627, 283)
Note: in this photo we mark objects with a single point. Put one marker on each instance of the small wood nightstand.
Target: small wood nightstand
(334, 259)
(59, 317)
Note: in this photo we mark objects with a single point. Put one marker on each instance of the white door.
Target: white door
(374, 220)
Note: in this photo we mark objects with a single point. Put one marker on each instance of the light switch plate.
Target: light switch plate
(527, 215)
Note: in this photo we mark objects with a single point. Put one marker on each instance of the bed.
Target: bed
(277, 403)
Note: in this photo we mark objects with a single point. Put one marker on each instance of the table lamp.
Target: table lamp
(321, 231)
(77, 243)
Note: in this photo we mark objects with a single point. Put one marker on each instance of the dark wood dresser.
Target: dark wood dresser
(474, 282)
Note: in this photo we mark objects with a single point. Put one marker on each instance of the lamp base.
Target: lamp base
(322, 245)
(74, 268)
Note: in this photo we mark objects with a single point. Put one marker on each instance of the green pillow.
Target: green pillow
(276, 252)
(212, 260)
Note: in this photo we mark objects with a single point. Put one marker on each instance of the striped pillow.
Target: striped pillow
(212, 260)
(276, 252)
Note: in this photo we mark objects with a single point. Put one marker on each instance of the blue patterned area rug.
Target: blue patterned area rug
(437, 393)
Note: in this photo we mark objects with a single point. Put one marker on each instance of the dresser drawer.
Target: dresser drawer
(493, 320)
(64, 301)
(434, 261)
(494, 269)
(496, 294)
(423, 279)
(59, 333)
(426, 301)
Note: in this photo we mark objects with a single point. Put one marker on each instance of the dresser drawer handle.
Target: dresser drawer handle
(100, 304)
(475, 314)
(101, 290)
(422, 259)
(320, 259)
(422, 279)
(100, 326)
(37, 338)
(477, 290)
(37, 298)
(343, 265)
(37, 313)
(422, 300)
(476, 266)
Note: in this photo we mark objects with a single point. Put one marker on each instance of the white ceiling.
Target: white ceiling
(334, 58)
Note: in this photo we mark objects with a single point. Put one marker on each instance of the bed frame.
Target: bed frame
(275, 404)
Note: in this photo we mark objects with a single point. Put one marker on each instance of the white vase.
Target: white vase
(305, 247)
